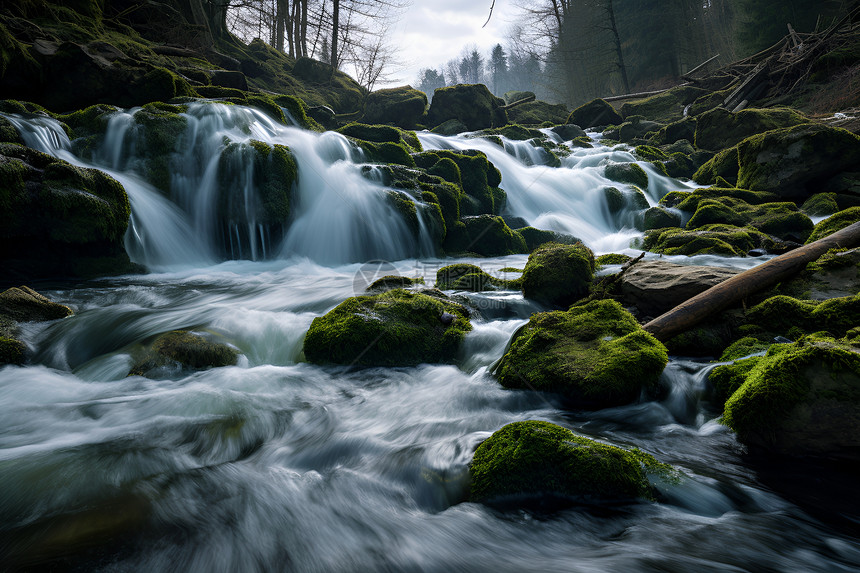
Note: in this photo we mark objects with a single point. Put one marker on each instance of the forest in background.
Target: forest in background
(565, 51)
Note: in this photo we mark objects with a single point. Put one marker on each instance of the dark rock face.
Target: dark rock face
(472, 104)
(657, 286)
(58, 219)
(596, 113)
(23, 304)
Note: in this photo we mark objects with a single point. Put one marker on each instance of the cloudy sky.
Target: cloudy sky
(431, 32)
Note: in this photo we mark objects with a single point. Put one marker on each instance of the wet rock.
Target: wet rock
(392, 282)
(463, 276)
(528, 460)
(716, 239)
(534, 238)
(801, 399)
(558, 275)
(655, 287)
(596, 113)
(834, 223)
(472, 104)
(568, 131)
(485, 235)
(396, 328)
(627, 173)
(187, 350)
(658, 218)
(450, 127)
(782, 220)
(722, 165)
(23, 304)
(401, 106)
(595, 355)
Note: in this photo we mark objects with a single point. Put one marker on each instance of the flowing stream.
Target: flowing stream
(279, 465)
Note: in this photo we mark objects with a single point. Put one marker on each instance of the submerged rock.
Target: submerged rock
(801, 399)
(186, 350)
(557, 274)
(395, 328)
(595, 355)
(533, 459)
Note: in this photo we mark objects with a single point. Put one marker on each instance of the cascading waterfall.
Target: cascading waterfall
(569, 199)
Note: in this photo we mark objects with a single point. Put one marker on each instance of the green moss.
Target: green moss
(392, 282)
(402, 106)
(723, 165)
(777, 219)
(614, 199)
(727, 378)
(596, 113)
(781, 313)
(611, 259)
(534, 238)
(395, 328)
(485, 235)
(447, 170)
(596, 355)
(382, 134)
(532, 458)
(480, 178)
(820, 204)
(473, 105)
(12, 351)
(627, 173)
(689, 200)
(538, 113)
(720, 129)
(649, 153)
(665, 107)
(834, 223)
(462, 276)
(776, 403)
(557, 274)
(23, 304)
(743, 347)
(659, 218)
(298, 110)
(714, 239)
(188, 349)
(386, 153)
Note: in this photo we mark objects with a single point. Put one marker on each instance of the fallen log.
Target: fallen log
(512, 105)
(719, 297)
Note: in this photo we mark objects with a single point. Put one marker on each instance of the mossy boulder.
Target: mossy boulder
(627, 173)
(634, 130)
(485, 235)
(538, 460)
(596, 113)
(724, 164)
(382, 134)
(23, 304)
(537, 113)
(557, 274)
(690, 200)
(185, 350)
(834, 223)
(664, 107)
(786, 315)
(462, 276)
(472, 104)
(162, 128)
(391, 282)
(57, 219)
(255, 183)
(720, 129)
(792, 161)
(659, 217)
(401, 106)
(727, 378)
(681, 130)
(612, 259)
(476, 174)
(820, 205)
(783, 220)
(595, 355)
(534, 238)
(450, 127)
(715, 239)
(801, 399)
(395, 328)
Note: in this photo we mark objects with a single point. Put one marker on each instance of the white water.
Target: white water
(279, 465)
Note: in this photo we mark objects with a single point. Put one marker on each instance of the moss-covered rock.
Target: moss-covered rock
(532, 459)
(689, 200)
(391, 282)
(681, 130)
(792, 161)
(786, 315)
(534, 238)
(720, 129)
(834, 223)
(727, 378)
(401, 106)
(478, 177)
(724, 164)
(395, 328)
(611, 259)
(184, 349)
(472, 104)
(820, 205)
(596, 113)
(658, 218)
(664, 107)
(634, 130)
(57, 219)
(462, 276)
(538, 112)
(627, 173)
(558, 275)
(595, 355)
(782, 220)
(23, 304)
(485, 235)
(801, 399)
(709, 239)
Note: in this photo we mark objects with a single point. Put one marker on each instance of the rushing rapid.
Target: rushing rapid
(275, 464)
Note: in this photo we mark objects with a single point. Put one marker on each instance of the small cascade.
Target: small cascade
(570, 199)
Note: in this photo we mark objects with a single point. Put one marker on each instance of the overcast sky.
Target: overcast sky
(431, 32)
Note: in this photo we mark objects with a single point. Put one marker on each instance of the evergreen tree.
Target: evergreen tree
(499, 69)
(429, 80)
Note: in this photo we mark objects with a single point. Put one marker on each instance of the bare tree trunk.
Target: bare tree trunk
(304, 39)
(614, 29)
(280, 23)
(719, 297)
(335, 18)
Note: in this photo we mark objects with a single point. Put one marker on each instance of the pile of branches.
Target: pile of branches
(784, 67)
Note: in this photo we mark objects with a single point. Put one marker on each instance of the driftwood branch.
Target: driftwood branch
(699, 67)
(640, 94)
(518, 102)
(719, 297)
